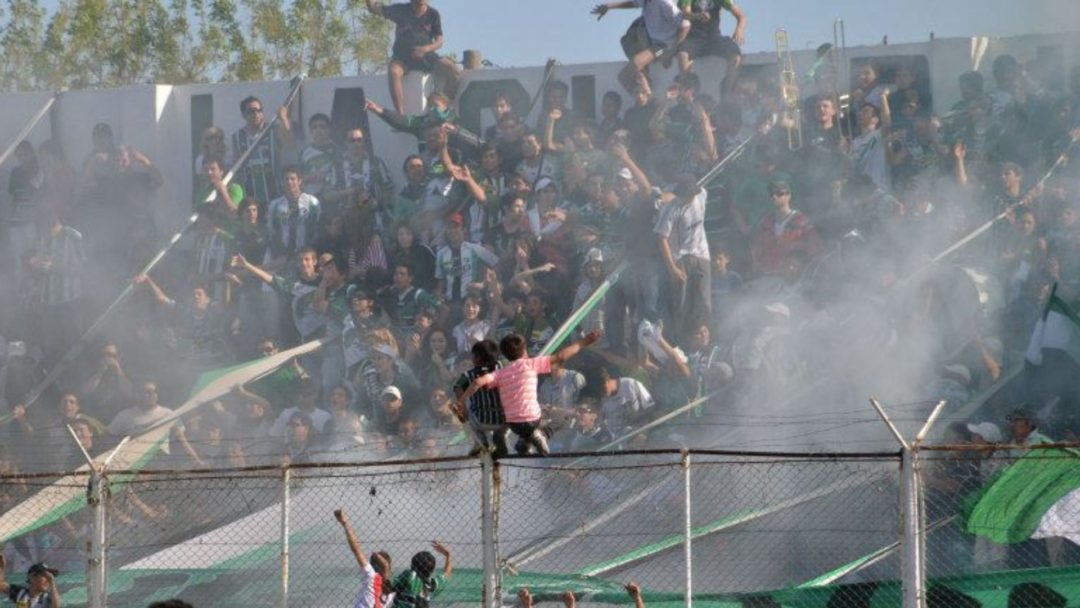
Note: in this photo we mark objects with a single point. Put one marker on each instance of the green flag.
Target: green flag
(1009, 508)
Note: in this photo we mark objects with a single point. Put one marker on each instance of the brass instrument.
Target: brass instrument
(840, 60)
(789, 91)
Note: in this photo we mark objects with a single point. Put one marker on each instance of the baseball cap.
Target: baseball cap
(1021, 413)
(41, 568)
(391, 391)
(779, 185)
(455, 219)
(386, 349)
(594, 255)
(987, 430)
(625, 173)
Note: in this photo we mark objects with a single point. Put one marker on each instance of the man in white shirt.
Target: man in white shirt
(292, 219)
(135, 420)
(684, 249)
(626, 403)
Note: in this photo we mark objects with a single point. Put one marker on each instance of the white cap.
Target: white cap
(987, 430)
(625, 173)
(779, 308)
(386, 349)
(594, 255)
(391, 391)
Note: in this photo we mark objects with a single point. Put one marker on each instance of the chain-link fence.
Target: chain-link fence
(799, 531)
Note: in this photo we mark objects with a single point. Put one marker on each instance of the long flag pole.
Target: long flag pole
(1011, 208)
(25, 132)
(75, 350)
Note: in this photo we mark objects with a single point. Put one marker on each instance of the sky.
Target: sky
(565, 30)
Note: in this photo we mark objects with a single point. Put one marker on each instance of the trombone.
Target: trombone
(789, 91)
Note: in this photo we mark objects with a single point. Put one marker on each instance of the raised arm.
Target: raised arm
(739, 35)
(54, 591)
(448, 566)
(677, 362)
(569, 352)
(959, 152)
(620, 152)
(4, 586)
(350, 537)
(240, 261)
(396, 121)
(462, 174)
(156, 179)
(549, 131)
(886, 112)
(601, 9)
(159, 294)
(241, 391)
(634, 591)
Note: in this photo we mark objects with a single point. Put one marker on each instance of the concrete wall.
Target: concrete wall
(157, 119)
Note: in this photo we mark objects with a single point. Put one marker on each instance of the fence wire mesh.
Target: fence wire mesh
(1001, 524)
(789, 531)
(41, 527)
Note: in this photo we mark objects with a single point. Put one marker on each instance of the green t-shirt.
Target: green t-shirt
(712, 7)
(409, 587)
(236, 193)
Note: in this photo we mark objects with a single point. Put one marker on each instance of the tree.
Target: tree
(109, 43)
(21, 43)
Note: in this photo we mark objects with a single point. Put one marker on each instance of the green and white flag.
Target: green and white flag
(1038, 496)
(68, 494)
(1059, 328)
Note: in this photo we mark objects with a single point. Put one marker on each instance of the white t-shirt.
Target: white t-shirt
(662, 19)
(625, 407)
(366, 597)
(684, 226)
(135, 420)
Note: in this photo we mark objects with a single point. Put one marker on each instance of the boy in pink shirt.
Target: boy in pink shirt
(517, 382)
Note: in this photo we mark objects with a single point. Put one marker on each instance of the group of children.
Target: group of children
(412, 588)
(494, 399)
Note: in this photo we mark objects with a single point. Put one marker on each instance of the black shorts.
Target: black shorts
(710, 46)
(425, 64)
(636, 39)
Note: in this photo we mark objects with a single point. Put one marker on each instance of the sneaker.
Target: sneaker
(539, 440)
(648, 337)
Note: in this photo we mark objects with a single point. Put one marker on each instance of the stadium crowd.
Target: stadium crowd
(443, 287)
(512, 232)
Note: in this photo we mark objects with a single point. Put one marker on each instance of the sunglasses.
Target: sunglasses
(253, 111)
(780, 193)
(356, 140)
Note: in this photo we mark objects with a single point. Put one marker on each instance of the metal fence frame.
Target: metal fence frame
(911, 541)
